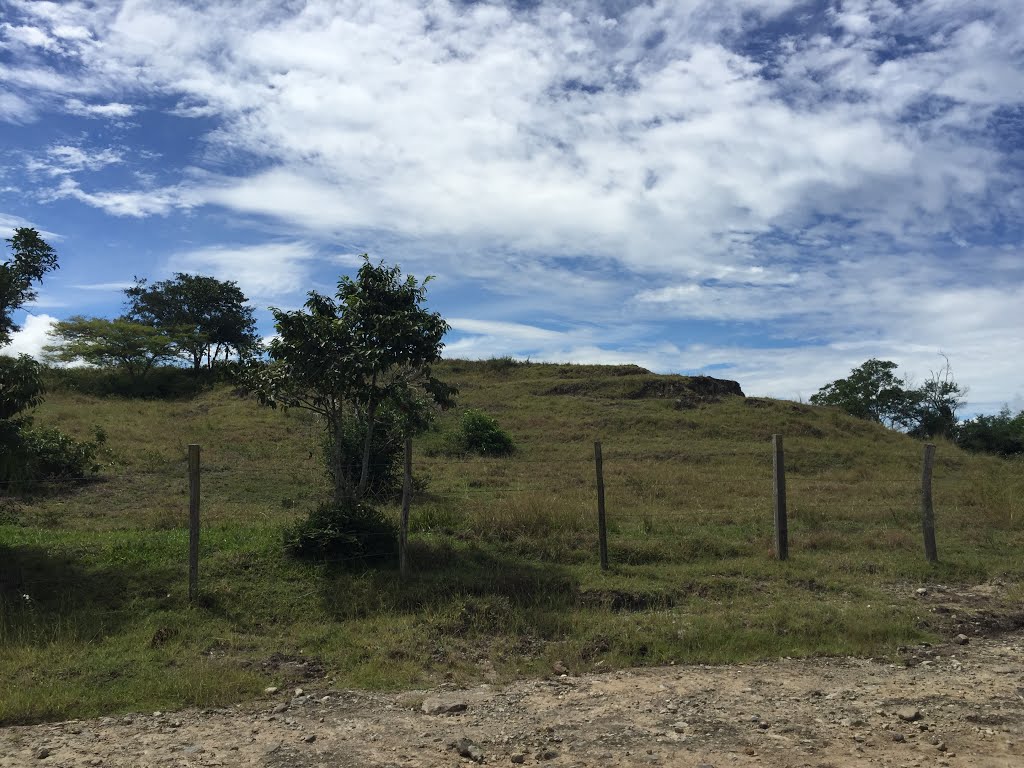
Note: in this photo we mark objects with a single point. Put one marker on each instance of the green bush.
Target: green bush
(352, 535)
(481, 434)
(166, 382)
(36, 455)
(1002, 434)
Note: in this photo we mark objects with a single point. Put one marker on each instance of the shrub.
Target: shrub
(356, 534)
(387, 451)
(482, 435)
(35, 455)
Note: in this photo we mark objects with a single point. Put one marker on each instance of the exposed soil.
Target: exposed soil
(956, 704)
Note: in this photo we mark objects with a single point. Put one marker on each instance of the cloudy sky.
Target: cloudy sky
(765, 190)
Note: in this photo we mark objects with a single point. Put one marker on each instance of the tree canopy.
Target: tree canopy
(369, 348)
(873, 391)
(206, 317)
(134, 347)
(31, 258)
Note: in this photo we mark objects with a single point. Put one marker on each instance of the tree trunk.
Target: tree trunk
(342, 484)
(364, 474)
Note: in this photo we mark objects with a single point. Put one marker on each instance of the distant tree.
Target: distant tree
(206, 317)
(872, 391)
(133, 347)
(1002, 433)
(937, 401)
(31, 258)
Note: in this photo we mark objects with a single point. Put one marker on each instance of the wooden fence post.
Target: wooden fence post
(927, 510)
(781, 525)
(602, 531)
(193, 523)
(403, 535)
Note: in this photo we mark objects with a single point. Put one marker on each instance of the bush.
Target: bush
(1002, 434)
(481, 434)
(357, 534)
(36, 455)
(166, 382)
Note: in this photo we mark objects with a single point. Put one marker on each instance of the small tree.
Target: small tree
(205, 316)
(353, 357)
(120, 343)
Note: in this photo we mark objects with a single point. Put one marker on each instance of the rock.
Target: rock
(921, 592)
(299, 692)
(909, 714)
(518, 758)
(41, 753)
(309, 738)
(961, 639)
(547, 754)
(282, 707)
(468, 749)
(899, 738)
(437, 706)
(270, 690)
(559, 668)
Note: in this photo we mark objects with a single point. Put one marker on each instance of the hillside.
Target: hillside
(505, 577)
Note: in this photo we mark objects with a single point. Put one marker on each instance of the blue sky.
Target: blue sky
(763, 190)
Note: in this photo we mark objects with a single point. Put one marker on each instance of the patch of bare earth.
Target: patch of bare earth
(956, 704)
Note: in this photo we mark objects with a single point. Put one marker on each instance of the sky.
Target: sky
(769, 191)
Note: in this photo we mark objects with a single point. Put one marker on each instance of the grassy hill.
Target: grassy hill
(504, 563)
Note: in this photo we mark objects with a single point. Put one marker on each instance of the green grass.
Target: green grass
(504, 573)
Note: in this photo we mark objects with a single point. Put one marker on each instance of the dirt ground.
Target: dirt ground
(960, 703)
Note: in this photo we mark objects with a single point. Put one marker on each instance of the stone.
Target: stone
(921, 592)
(518, 758)
(547, 754)
(270, 690)
(468, 749)
(559, 668)
(309, 738)
(299, 692)
(961, 639)
(438, 706)
(41, 753)
(282, 707)
(909, 714)
(899, 738)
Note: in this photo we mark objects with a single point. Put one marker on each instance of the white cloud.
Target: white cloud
(262, 271)
(113, 109)
(31, 338)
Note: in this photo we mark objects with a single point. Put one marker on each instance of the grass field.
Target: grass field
(504, 566)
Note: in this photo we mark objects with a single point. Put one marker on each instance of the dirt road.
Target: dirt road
(952, 704)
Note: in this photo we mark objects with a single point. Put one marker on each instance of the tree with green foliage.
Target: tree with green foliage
(1002, 434)
(31, 258)
(120, 343)
(29, 455)
(871, 391)
(206, 317)
(357, 360)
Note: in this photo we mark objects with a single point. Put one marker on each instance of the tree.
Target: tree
(872, 392)
(348, 359)
(1002, 433)
(31, 258)
(206, 317)
(938, 400)
(29, 455)
(120, 343)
